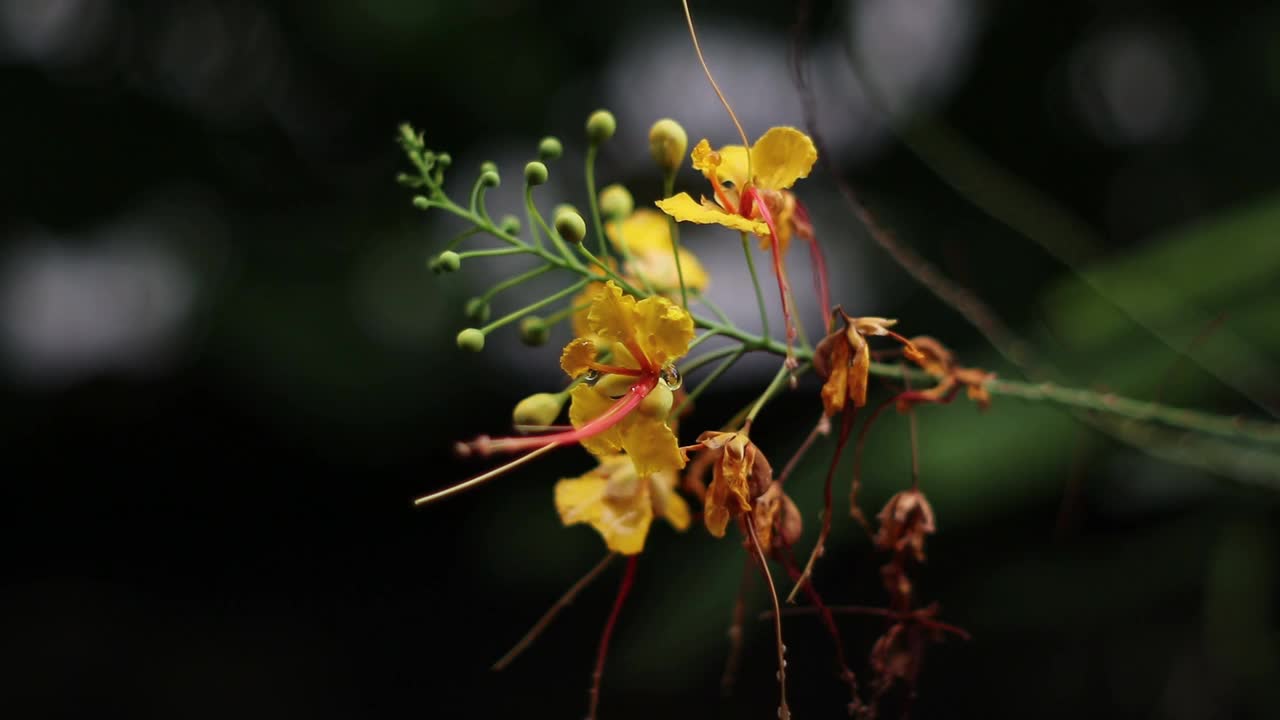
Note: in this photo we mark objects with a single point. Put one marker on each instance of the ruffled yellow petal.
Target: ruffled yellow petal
(612, 315)
(660, 270)
(683, 208)
(782, 156)
(581, 325)
(585, 405)
(622, 518)
(646, 236)
(667, 503)
(663, 329)
(578, 356)
(704, 159)
(650, 443)
(733, 166)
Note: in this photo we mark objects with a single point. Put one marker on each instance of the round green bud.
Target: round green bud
(444, 160)
(448, 261)
(489, 178)
(471, 340)
(477, 310)
(535, 173)
(667, 143)
(488, 166)
(571, 226)
(421, 202)
(616, 202)
(563, 207)
(600, 126)
(538, 409)
(510, 224)
(550, 148)
(534, 331)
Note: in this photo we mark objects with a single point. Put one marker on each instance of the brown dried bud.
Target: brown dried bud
(905, 521)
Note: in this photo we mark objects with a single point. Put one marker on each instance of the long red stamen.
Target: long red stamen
(817, 260)
(784, 288)
(724, 200)
(611, 417)
(614, 369)
(628, 579)
(846, 426)
(539, 444)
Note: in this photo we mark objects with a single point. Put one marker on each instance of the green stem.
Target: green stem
(492, 253)
(512, 282)
(783, 373)
(709, 358)
(462, 236)
(715, 309)
(629, 262)
(477, 200)
(668, 187)
(529, 210)
(556, 240)
(608, 271)
(594, 202)
(557, 316)
(512, 317)
(755, 282)
(723, 367)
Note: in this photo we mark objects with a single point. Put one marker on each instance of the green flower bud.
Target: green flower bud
(489, 178)
(488, 166)
(510, 224)
(447, 262)
(550, 148)
(601, 126)
(667, 143)
(471, 340)
(616, 202)
(571, 226)
(539, 409)
(563, 207)
(535, 173)
(444, 160)
(421, 202)
(534, 331)
(477, 310)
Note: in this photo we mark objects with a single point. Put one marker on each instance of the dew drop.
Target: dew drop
(590, 377)
(671, 377)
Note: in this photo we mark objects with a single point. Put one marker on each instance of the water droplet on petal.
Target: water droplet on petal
(671, 377)
(590, 377)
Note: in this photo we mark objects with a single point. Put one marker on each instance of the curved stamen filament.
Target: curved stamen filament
(604, 369)
(752, 199)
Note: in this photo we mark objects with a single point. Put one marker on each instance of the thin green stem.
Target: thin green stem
(608, 271)
(721, 369)
(512, 282)
(715, 309)
(629, 261)
(477, 200)
(783, 373)
(701, 339)
(694, 364)
(755, 282)
(529, 210)
(556, 240)
(559, 315)
(594, 202)
(513, 316)
(493, 253)
(462, 236)
(668, 187)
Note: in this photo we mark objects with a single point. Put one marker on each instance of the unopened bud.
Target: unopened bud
(571, 226)
(550, 148)
(477, 310)
(535, 173)
(446, 262)
(539, 409)
(444, 160)
(600, 126)
(616, 202)
(510, 225)
(471, 340)
(489, 178)
(667, 143)
(421, 202)
(534, 331)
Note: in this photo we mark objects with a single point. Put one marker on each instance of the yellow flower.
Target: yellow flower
(619, 504)
(777, 160)
(626, 408)
(645, 235)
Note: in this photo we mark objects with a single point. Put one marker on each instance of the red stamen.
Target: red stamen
(846, 426)
(614, 369)
(784, 287)
(638, 353)
(804, 228)
(628, 579)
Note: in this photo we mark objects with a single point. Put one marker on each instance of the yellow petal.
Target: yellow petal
(650, 443)
(612, 314)
(733, 166)
(836, 389)
(683, 208)
(644, 231)
(704, 160)
(581, 326)
(663, 330)
(646, 236)
(577, 356)
(585, 405)
(622, 520)
(782, 156)
(667, 503)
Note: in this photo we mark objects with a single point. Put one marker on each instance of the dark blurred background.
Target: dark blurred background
(226, 371)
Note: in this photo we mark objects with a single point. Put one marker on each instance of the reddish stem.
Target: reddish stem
(846, 426)
(775, 250)
(628, 579)
(818, 261)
